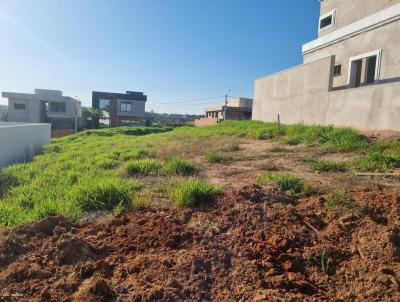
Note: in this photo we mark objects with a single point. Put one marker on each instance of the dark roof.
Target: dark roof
(129, 95)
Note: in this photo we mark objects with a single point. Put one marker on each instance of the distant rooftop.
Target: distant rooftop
(45, 94)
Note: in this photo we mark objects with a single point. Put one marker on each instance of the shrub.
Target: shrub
(102, 194)
(179, 167)
(375, 161)
(218, 157)
(290, 184)
(144, 166)
(191, 193)
(329, 166)
(340, 199)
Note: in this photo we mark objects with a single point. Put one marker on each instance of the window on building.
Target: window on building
(327, 21)
(337, 71)
(58, 107)
(126, 107)
(19, 106)
(364, 69)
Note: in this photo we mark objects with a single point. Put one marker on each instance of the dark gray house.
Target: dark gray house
(120, 109)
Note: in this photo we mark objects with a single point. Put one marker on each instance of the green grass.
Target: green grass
(102, 194)
(179, 167)
(140, 153)
(192, 192)
(329, 166)
(340, 200)
(288, 183)
(216, 157)
(51, 182)
(376, 162)
(144, 166)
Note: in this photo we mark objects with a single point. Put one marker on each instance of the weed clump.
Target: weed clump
(218, 157)
(102, 194)
(136, 154)
(106, 163)
(341, 200)
(288, 183)
(144, 167)
(179, 167)
(190, 193)
(329, 166)
(141, 201)
(375, 161)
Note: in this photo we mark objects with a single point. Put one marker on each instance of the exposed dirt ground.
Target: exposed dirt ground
(249, 244)
(255, 244)
(255, 157)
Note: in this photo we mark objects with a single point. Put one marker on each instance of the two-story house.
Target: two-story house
(120, 109)
(44, 106)
(350, 75)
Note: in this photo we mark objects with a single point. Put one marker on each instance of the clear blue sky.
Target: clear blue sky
(169, 49)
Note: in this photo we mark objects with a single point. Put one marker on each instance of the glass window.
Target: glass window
(126, 107)
(19, 106)
(337, 70)
(57, 107)
(327, 21)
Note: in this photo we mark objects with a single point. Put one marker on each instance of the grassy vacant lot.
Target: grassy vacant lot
(114, 169)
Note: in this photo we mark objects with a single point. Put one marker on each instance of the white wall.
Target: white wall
(20, 142)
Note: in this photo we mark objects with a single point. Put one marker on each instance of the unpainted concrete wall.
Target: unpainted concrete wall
(31, 114)
(302, 95)
(386, 38)
(20, 142)
(297, 94)
(349, 11)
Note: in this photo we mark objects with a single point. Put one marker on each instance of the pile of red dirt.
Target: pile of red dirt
(252, 245)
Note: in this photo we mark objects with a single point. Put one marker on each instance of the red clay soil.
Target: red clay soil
(252, 245)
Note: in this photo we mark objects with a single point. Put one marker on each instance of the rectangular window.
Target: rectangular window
(19, 106)
(327, 21)
(58, 107)
(126, 107)
(337, 71)
(364, 69)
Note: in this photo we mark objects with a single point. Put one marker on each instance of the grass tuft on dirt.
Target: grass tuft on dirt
(140, 153)
(102, 194)
(217, 157)
(192, 192)
(341, 200)
(376, 162)
(143, 167)
(290, 184)
(179, 167)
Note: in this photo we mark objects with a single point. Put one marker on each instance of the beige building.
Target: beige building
(350, 75)
(235, 109)
(44, 106)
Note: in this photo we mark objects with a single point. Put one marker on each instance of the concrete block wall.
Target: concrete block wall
(20, 142)
(303, 95)
(296, 95)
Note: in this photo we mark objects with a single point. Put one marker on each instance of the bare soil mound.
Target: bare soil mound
(255, 244)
